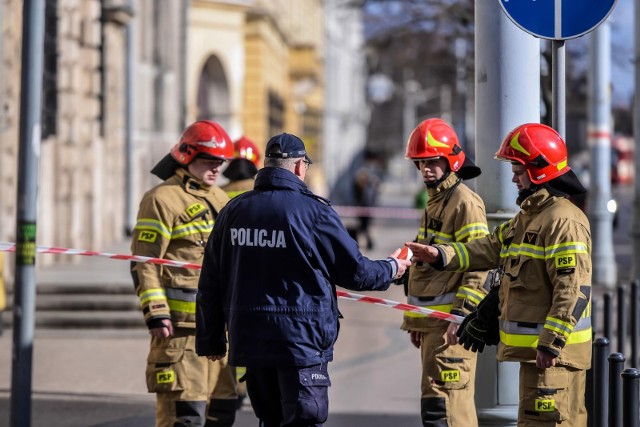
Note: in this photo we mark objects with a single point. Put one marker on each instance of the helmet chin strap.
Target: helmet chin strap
(437, 182)
(526, 192)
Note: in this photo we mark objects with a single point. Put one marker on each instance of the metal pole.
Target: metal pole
(635, 320)
(635, 222)
(599, 137)
(558, 87)
(622, 318)
(607, 315)
(600, 375)
(28, 164)
(630, 380)
(507, 76)
(616, 365)
(130, 213)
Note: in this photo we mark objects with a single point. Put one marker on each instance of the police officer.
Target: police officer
(281, 310)
(543, 293)
(242, 170)
(174, 222)
(454, 213)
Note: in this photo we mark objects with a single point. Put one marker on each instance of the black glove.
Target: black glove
(481, 327)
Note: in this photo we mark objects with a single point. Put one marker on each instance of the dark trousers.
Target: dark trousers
(295, 396)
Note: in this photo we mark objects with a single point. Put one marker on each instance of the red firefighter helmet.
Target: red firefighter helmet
(435, 138)
(540, 148)
(203, 137)
(244, 148)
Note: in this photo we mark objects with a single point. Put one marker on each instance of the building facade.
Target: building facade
(121, 80)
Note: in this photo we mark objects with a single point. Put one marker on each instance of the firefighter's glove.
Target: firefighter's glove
(481, 328)
(403, 281)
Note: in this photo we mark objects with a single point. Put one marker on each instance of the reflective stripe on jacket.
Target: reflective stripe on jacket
(175, 219)
(544, 254)
(454, 214)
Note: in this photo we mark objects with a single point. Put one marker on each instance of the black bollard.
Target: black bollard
(622, 318)
(607, 316)
(630, 380)
(600, 374)
(635, 321)
(616, 365)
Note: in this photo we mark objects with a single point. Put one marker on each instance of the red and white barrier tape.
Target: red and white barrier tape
(401, 306)
(11, 247)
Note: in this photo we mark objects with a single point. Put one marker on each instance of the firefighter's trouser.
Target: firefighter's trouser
(190, 390)
(448, 375)
(551, 397)
(288, 397)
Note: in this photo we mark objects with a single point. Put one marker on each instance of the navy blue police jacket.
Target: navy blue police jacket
(269, 274)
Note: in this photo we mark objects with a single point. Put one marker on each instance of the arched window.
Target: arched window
(213, 93)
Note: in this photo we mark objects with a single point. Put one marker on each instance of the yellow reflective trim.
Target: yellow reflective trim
(233, 194)
(463, 255)
(431, 141)
(195, 227)
(153, 225)
(477, 228)
(531, 341)
(560, 322)
(471, 294)
(445, 308)
(558, 330)
(515, 144)
(182, 306)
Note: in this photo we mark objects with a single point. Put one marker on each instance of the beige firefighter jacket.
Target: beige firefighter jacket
(454, 214)
(174, 222)
(544, 254)
(235, 188)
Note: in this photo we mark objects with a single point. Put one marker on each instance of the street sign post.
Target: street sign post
(557, 19)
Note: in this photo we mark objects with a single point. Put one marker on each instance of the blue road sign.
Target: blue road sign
(557, 19)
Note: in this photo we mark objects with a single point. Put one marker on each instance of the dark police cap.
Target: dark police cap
(290, 147)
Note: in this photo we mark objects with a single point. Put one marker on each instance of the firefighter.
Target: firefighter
(242, 170)
(174, 222)
(538, 310)
(454, 213)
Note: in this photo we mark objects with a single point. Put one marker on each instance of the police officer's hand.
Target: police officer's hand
(544, 359)
(424, 253)
(403, 264)
(215, 357)
(165, 331)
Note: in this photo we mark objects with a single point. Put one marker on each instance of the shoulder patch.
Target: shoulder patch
(147, 236)
(565, 261)
(195, 209)
(530, 238)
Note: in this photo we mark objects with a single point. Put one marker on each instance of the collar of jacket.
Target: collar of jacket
(445, 185)
(537, 201)
(270, 177)
(191, 184)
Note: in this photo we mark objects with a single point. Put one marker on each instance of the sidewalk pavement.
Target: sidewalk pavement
(95, 378)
